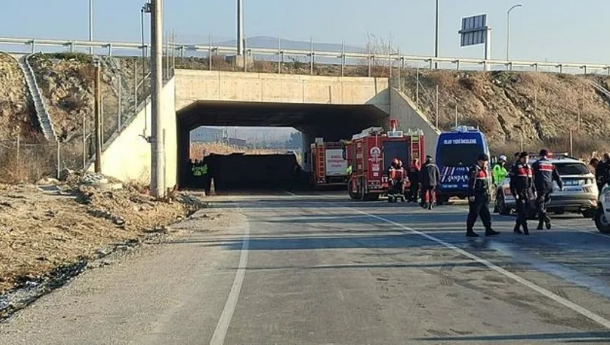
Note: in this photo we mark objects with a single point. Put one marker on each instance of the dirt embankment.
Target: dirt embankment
(17, 115)
(541, 108)
(43, 231)
(67, 83)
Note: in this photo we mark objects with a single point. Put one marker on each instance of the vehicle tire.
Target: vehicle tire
(590, 213)
(353, 195)
(601, 221)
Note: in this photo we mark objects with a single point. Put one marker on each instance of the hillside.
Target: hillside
(541, 108)
(67, 83)
(17, 115)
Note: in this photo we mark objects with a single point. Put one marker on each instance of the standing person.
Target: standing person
(413, 175)
(602, 172)
(593, 166)
(478, 197)
(196, 174)
(545, 173)
(521, 186)
(430, 178)
(498, 174)
(205, 176)
(396, 177)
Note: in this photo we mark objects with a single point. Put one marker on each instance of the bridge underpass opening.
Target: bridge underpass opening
(330, 122)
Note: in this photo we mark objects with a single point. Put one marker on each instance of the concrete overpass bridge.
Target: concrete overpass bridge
(330, 107)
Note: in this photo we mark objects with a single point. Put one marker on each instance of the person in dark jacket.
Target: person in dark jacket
(545, 173)
(430, 177)
(478, 197)
(602, 172)
(521, 187)
(413, 175)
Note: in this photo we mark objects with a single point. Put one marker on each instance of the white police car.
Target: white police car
(579, 193)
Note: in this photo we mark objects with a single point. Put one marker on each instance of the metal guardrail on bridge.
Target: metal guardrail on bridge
(392, 58)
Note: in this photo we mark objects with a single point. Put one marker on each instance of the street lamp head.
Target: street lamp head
(514, 6)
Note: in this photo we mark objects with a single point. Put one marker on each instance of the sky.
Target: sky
(542, 30)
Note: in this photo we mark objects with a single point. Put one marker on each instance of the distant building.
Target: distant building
(206, 135)
(213, 135)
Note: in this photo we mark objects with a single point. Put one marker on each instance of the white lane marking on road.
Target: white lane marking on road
(222, 326)
(566, 303)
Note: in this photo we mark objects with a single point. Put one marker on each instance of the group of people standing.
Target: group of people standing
(422, 181)
(528, 183)
(201, 175)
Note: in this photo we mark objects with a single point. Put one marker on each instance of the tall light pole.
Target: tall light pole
(508, 29)
(157, 178)
(240, 27)
(436, 36)
(91, 25)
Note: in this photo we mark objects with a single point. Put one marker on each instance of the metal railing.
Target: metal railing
(42, 113)
(392, 58)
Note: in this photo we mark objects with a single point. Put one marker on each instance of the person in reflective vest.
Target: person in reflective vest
(205, 176)
(545, 173)
(522, 188)
(499, 173)
(195, 170)
(478, 197)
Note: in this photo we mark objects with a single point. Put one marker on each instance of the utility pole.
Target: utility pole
(436, 36)
(240, 28)
(90, 25)
(157, 181)
(97, 115)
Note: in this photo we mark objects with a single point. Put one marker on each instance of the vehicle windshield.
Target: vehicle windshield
(572, 169)
(458, 155)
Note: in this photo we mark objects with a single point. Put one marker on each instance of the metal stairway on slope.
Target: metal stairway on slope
(41, 110)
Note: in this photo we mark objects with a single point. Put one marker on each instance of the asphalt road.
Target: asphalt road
(318, 269)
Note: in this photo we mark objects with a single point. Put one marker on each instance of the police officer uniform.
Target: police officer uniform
(545, 173)
(478, 198)
(521, 186)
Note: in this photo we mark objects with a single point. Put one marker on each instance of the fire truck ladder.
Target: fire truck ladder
(320, 153)
(415, 146)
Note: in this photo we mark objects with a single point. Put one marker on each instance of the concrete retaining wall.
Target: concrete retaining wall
(404, 109)
(195, 85)
(128, 156)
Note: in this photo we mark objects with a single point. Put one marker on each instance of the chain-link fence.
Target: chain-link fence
(30, 161)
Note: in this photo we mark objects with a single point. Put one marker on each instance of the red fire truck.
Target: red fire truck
(328, 164)
(372, 152)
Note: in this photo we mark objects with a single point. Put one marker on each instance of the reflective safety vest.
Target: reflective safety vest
(349, 170)
(204, 169)
(397, 174)
(196, 170)
(498, 173)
